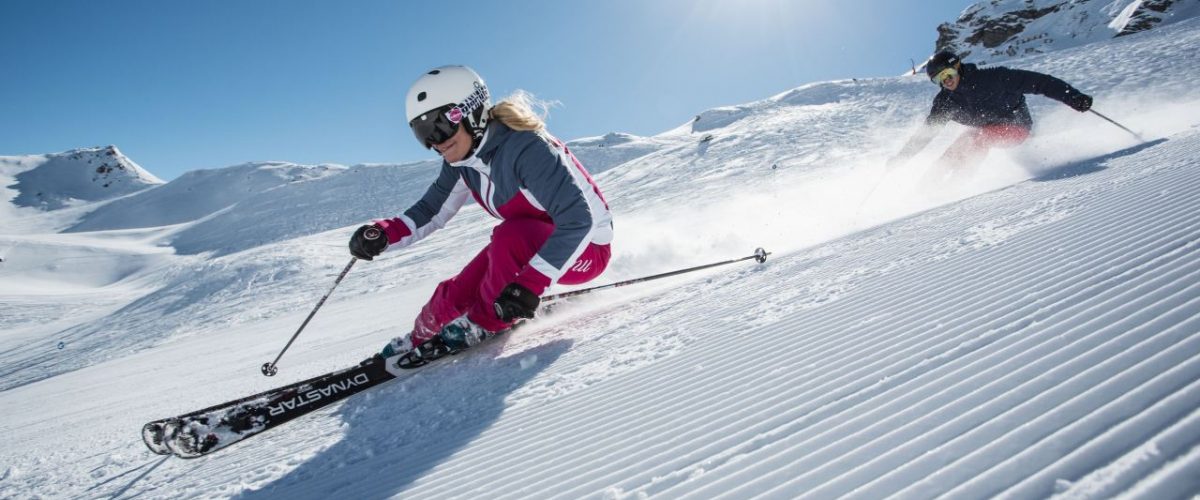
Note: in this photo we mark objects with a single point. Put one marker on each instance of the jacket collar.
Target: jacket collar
(493, 137)
(966, 69)
(497, 133)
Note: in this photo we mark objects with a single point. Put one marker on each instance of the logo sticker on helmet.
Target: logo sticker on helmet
(475, 100)
(455, 115)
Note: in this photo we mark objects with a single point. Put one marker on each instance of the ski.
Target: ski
(207, 430)
(154, 433)
(204, 432)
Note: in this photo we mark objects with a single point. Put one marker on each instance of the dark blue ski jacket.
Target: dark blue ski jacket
(995, 96)
(516, 174)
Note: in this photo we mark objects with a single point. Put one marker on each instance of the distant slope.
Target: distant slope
(198, 194)
(244, 206)
(600, 154)
(353, 195)
(54, 181)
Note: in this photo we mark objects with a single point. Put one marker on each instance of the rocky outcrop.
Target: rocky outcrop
(59, 180)
(1004, 29)
(1148, 14)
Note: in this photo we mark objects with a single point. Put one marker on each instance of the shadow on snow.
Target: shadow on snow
(404, 429)
(1091, 165)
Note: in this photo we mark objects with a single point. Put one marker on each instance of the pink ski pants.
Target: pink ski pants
(472, 292)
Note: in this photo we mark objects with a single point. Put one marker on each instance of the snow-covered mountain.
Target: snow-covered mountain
(232, 209)
(998, 30)
(198, 194)
(55, 181)
(59, 180)
(610, 150)
(31, 186)
(1030, 333)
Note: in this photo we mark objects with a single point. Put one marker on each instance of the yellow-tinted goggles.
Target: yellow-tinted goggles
(944, 75)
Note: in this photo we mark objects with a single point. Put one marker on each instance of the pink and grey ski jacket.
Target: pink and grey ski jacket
(517, 174)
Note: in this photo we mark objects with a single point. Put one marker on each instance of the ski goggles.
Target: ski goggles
(437, 125)
(944, 75)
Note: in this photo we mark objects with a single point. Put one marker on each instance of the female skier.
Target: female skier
(555, 224)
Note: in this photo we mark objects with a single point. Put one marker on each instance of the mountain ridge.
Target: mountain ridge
(998, 30)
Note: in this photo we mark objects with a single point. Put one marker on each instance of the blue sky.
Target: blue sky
(181, 86)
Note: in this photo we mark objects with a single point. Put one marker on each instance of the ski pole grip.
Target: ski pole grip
(372, 233)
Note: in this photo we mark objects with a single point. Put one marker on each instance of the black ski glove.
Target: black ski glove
(1080, 102)
(516, 301)
(368, 242)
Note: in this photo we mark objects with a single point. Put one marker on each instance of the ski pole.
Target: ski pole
(269, 369)
(863, 203)
(1110, 120)
(760, 255)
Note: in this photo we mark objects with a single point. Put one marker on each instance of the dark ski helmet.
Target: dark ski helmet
(940, 61)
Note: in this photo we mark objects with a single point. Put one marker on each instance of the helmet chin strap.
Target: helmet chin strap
(477, 133)
(476, 140)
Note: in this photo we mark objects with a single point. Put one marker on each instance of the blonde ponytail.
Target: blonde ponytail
(517, 111)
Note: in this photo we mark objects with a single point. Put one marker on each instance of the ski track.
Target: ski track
(906, 378)
(991, 403)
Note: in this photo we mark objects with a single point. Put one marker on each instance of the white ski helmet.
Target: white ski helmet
(441, 99)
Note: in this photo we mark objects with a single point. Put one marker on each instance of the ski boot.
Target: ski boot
(432, 349)
(455, 337)
(412, 357)
(462, 334)
(398, 345)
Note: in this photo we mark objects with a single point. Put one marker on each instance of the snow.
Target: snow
(60, 180)
(605, 152)
(63, 184)
(1045, 26)
(1031, 332)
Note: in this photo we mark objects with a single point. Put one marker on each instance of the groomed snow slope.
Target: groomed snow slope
(1039, 337)
(1035, 340)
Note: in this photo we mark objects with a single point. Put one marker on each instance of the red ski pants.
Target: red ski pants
(973, 145)
(472, 292)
